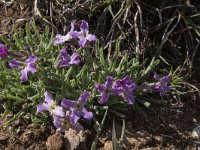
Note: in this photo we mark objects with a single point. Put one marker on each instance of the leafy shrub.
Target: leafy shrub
(38, 63)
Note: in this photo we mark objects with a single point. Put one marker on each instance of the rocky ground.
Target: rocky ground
(169, 127)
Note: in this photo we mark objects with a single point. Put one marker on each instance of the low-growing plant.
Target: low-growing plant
(72, 78)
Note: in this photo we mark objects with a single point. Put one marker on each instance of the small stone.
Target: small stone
(74, 140)
(10, 12)
(108, 145)
(158, 138)
(26, 135)
(55, 142)
(196, 132)
(3, 138)
(194, 120)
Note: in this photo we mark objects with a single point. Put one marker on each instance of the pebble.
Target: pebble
(74, 140)
(196, 132)
(55, 142)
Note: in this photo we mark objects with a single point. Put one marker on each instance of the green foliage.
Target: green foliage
(115, 144)
(100, 127)
(68, 82)
(26, 96)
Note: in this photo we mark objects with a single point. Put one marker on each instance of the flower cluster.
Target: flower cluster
(123, 87)
(83, 35)
(27, 66)
(161, 84)
(67, 115)
(67, 59)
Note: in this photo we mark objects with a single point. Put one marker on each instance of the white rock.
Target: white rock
(196, 132)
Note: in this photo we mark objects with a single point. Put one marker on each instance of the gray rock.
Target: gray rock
(196, 132)
(74, 140)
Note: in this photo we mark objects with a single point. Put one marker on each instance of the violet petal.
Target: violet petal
(48, 98)
(86, 114)
(24, 76)
(31, 68)
(42, 107)
(109, 82)
(156, 76)
(84, 26)
(165, 79)
(74, 116)
(100, 87)
(104, 98)
(74, 59)
(83, 98)
(59, 111)
(68, 103)
(82, 41)
(15, 64)
(3, 50)
(91, 37)
(31, 59)
(77, 127)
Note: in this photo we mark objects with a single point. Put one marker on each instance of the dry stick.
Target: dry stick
(37, 12)
(50, 11)
(167, 34)
(115, 18)
(137, 47)
(157, 27)
(173, 6)
(140, 13)
(141, 27)
(109, 48)
(160, 15)
(124, 33)
(194, 53)
(120, 10)
(191, 47)
(118, 16)
(186, 62)
(125, 15)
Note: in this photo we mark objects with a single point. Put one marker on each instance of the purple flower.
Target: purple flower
(161, 85)
(106, 90)
(63, 123)
(27, 66)
(84, 35)
(50, 105)
(67, 59)
(3, 50)
(77, 108)
(126, 88)
(70, 35)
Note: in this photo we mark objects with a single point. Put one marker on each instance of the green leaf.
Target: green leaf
(114, 137)
(94, 144)
(122, 134)
(15, 117)
(116, 55)
(102, 60)
(150, 67)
